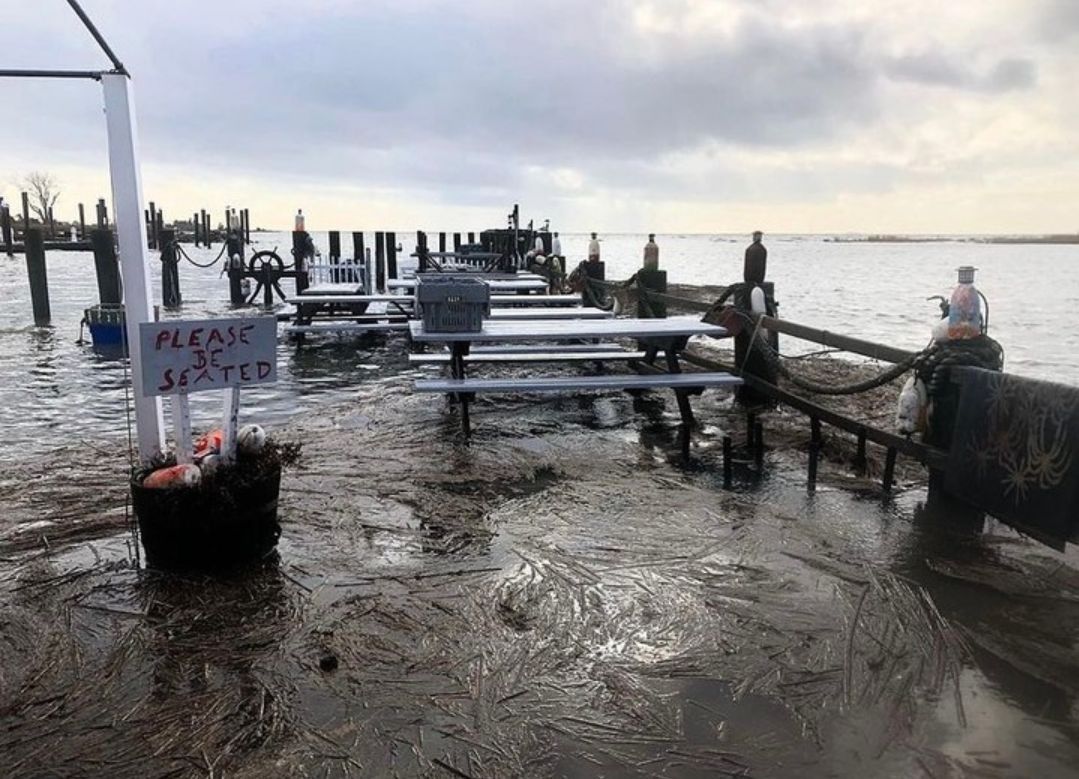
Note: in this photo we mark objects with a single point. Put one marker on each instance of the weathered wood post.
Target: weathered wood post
(442, 242)
(5, 231)
(814, 453)
(206, 241)
(170, 269)
(391, 255)
(299, 254)
(651, 279)
(235, 252)
(247, 226)
(102, 214)
(34, 245)
(471, 238)
(195, 229)
(25, 213)
(82, 223)
(151, 225)
(421, 250)
(595, 270)
(335, 255)
(52, 224)
(456, 243)
(380, 261)
(106, 267)
(358, 259)
(159, 225)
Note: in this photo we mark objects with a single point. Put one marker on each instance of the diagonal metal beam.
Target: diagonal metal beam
(119, 66)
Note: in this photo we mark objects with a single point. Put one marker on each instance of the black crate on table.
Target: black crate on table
(452, 303)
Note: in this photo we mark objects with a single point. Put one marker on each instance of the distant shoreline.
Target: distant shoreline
(1006, 239)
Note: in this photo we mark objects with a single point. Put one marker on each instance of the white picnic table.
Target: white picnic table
(540, 330)
(668, 336)
(332, 288)
(547, 314)
(523, 283)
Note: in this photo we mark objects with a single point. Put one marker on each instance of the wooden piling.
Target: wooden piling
(159, 225)
(52, 224)
(102, 214)
(456, 243)
(109, 291)
(471, 237)
(653, 281)
(889, 470)
(442, 242)
(151, 224)
(299, 256)
(235, 252)
(5, 231)
(814, 452)
(358, 259)
(206, 240)
(421, 250)
(391, 255)
(860, 460)
(34, 245)
(247, 226)
(380, 261)
(170, 270)
(335, 255)
(25, 214)
(82, 223)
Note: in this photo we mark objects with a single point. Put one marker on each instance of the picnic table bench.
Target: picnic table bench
(666, 336)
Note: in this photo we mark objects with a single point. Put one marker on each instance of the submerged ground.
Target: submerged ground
(562, 597)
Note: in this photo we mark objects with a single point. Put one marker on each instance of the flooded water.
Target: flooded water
(562, 597)
(52, 389)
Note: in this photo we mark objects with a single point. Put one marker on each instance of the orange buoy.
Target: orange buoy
(210, 443)
(186, 475)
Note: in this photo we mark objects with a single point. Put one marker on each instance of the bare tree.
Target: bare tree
(44, 192)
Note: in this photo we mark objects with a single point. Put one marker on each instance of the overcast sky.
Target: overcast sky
(613, 115)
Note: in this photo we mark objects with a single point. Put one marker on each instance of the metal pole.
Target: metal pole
(131, 233)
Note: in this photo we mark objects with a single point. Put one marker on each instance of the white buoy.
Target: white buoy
(910, 414)
(556, 246)
(299, 221)
(593, 249)
(251, 439)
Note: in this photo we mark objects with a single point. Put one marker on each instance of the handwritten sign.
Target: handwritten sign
(185, 356)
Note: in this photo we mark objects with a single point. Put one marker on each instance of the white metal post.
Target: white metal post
(131, 236)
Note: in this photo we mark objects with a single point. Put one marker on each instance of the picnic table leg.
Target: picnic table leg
(458, 350)
(671, 354)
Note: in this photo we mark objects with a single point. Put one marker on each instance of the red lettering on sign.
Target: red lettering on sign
(193, 339)
(215, 335)
(162, 336)
(200, 359)
(169, 383)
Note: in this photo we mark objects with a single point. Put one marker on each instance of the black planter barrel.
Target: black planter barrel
(211, 526)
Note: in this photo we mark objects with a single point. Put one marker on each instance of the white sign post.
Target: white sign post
(131, 237)
(184, 356)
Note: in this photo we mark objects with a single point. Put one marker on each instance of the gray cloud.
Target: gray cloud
(938, 69)
(459, 101)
